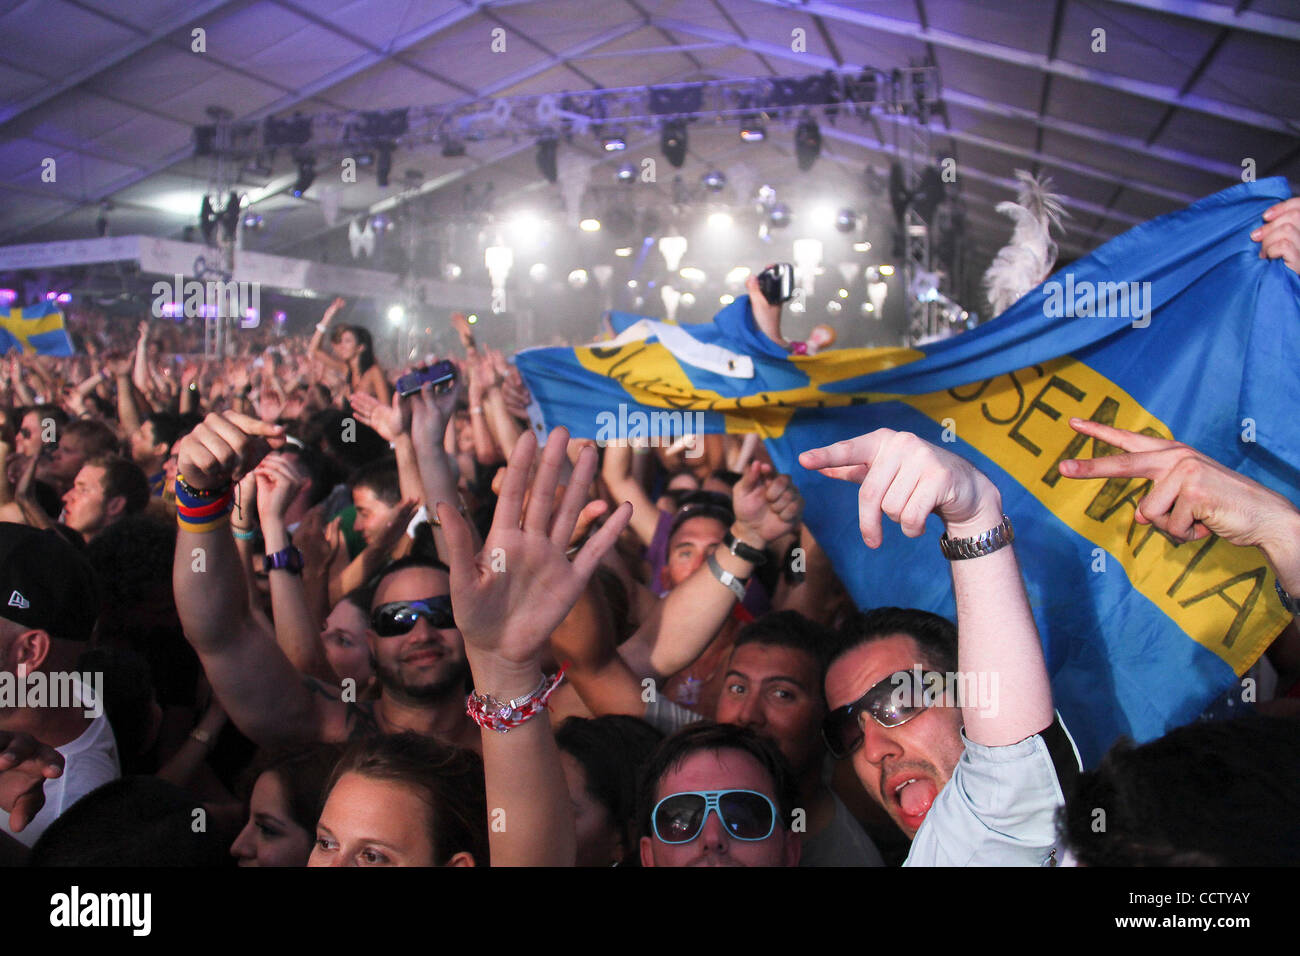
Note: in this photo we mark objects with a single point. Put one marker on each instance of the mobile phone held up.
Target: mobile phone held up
(776, 282)
(442, 375)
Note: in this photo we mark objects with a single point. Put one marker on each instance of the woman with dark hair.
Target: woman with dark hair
(601, 757)
(354, 354)
(403, 800)
(283, 807)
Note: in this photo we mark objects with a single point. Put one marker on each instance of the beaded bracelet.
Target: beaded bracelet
(487, 711)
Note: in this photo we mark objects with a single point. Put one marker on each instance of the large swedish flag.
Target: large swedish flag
(36, 330)
(1176, 328)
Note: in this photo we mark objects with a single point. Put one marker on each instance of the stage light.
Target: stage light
(672, 140)
(589, 225)
(886, 271)
(752, 129)
(807, 143)
(253, 221)
(720, 220)
(281, 317)
(8, 296)
(395, 314)
(688, 299)
(624, 252)
(779, 216)
(306, 176)
(714, 180)
(824, 216)
(526, 226)
(451, 271)
(578, 278)
(546, 160)
(472, 319)
(384, 166)
(726, 299)
(846, 220)
(631, 283)
(692, 274)
(844, 293)
(613, 143)
(538, 272)
(833, 307)
(738, 275)
(862, 247)
(625, 174)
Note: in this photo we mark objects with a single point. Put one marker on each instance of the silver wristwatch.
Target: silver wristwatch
(730, 581)
(980, 545)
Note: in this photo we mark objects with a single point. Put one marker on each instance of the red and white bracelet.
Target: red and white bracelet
(487, 711)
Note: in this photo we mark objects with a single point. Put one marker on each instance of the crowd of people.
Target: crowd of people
(345, 626)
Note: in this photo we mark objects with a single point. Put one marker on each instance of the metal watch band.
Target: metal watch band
(980, 545)
(1291, 604)
(747, 552)
(732, 583)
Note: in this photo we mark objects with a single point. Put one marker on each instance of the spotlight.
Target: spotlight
(451, 272)
(384, 166)
(625, 174)
(623, 252)
(472, 319)
(778, 216)
(538, 272)
(546, 160)
(886, 271)
(846, 220)
(613, 143)
(306, 176)
(752, 129)
(672, 141)
(714, 181)
(720, 220)
(807, 142)
(578, 278)
(253, 221)
(589, 225)
(395, 314)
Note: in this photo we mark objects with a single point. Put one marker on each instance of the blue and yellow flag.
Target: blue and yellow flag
(36, 330)
(1177, 328)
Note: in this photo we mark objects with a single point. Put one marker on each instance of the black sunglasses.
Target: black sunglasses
(891, 702)
(398, 617)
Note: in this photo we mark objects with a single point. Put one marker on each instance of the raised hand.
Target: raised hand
(390, 421)
(278, 484)
(332, 311)
(749, 502)
(510, 596)
(391, 533)
(1191, 494)
(429, 411)
(906, 478)
(25, 765)
(784, 508)
(209, 454)
(1279, 237)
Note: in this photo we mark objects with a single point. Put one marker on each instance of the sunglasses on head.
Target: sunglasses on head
(398, 617)
(745, 815)
(891, 702)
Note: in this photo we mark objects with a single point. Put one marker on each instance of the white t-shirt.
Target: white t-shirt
(90, 761)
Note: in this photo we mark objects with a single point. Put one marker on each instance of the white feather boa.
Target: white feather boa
(1028, 258)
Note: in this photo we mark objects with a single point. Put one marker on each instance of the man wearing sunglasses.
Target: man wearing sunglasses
(717, 795)
(978, 784)
(419, 652)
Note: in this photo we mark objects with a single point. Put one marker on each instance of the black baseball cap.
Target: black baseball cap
(703, 504)
(46, 583)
